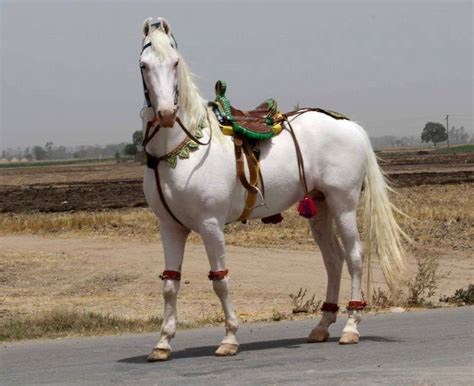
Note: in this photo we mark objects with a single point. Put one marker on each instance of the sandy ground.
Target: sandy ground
(121, 278)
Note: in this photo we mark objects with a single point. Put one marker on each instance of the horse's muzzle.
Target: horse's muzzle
(166, 118)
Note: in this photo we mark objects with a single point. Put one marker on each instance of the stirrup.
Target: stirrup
(260, 194)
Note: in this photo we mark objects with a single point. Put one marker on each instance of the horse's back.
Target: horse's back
(334, 151)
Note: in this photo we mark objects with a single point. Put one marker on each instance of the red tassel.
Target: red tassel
(307, 207)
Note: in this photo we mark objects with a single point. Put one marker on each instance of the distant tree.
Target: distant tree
(59, 152)
(80, 152)
(434, 132)
(39, 153)
(458, 136)
(49, 149)
(117, 156)
(27, 154)
(137, 139)
(130, 150)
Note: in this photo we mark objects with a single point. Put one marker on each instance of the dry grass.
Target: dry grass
(441, 214)
(418, 291)
(64, 322)
(132, 222)
(303, 305)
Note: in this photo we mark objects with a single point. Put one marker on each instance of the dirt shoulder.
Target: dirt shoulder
(121, 278)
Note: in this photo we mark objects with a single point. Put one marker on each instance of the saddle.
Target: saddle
(248, 129)
(261, 123)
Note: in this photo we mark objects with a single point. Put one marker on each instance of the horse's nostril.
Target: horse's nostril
(167, 117)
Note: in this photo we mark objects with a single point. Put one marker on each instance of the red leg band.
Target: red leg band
(218, 275)
(356, 305)
(172, 275)
(329, 307)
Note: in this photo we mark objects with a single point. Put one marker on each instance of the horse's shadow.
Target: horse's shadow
(208, 351)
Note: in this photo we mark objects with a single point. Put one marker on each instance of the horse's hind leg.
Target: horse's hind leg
(174, 240)
(323, 231)
(212, 234)
(343, 207)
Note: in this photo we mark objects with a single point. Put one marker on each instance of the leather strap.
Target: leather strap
(154, 162)
(244, 150)
(170, 275)
(218, 275)
(299, 157)
(160, 190)
(188, 133)
(356, 305)
(329, 307)
(240, 155)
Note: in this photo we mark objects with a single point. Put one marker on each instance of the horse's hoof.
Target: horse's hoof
(227, 350)
(159, 354)
(318, 335)
(349, 338)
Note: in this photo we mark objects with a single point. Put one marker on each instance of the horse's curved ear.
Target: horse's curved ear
(165, 26)
(146, 26)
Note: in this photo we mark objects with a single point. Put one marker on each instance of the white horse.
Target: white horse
(203, 192)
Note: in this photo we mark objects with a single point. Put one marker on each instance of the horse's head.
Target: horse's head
(159, 63)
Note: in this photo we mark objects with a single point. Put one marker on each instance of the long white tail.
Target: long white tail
(383, 235)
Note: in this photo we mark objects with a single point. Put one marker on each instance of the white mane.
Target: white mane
(190, 99)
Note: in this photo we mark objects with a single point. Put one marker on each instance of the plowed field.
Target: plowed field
(112, 186)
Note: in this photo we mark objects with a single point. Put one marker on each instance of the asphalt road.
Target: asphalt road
(423, 347)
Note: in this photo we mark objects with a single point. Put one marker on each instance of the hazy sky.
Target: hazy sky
(69, 69)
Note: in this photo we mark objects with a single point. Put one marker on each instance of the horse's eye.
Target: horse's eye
(175, 65)
(143, 66)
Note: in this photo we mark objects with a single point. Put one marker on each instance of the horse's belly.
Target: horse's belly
(281, 187)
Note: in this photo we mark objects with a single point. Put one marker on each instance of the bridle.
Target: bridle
(152, 130)
(145, 88)
(150, 134)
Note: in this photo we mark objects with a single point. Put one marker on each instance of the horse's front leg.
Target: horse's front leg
(173, 238)
(212, 233)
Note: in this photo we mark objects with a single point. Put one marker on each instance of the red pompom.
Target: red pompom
(307, 207)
